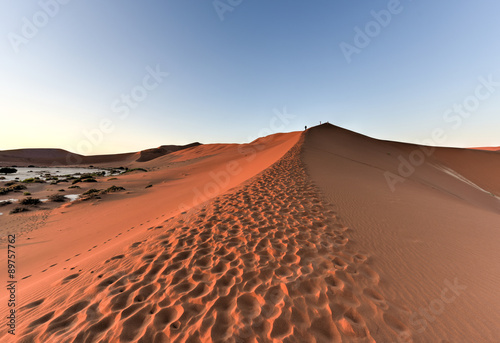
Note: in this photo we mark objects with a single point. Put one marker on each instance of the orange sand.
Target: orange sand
(291, 238)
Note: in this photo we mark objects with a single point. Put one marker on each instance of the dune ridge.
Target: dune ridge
(436, 231)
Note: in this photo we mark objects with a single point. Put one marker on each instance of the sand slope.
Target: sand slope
(291, 238)
(440, 226)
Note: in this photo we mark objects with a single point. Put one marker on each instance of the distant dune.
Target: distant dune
(317, 236)
(488, 148)
(151, 154)
(60, 157)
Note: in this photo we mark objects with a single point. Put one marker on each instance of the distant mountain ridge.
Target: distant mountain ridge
(61, 157)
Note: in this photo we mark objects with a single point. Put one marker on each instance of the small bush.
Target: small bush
(149, 186)
(113, 178)
(89, 180)
(62, 190)
(33, 180)
(92, 191)
(13, 188)
(135, 169)
(5, 203)
(114, 189)
(27, 193)
(8, 170)
(19, 209)
(74, 187)
(57, 198)
(10, 183)
(91, 194)
(17, 187)
(30, 201)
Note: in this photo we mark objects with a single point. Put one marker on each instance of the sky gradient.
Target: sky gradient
(103, 77)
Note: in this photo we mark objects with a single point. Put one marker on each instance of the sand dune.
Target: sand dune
(60, 157)
(440, 226)
(294, 237)
(489, 148)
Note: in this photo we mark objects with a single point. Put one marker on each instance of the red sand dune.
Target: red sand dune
(60, 157)
(489, 148)
(294, 237)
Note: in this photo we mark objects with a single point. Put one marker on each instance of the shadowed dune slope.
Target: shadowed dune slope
(151, 154)
(439, 227)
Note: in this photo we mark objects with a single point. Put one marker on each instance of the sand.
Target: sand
(292, 238)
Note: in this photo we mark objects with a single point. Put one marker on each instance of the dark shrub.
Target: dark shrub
(135, 169)
(92, 191)
(5, 203)
(13, 188)
(114, 189)
(17, 187)
(19, 209)
(7, 170)
(33, 180)
(30, 201)
(57, 198)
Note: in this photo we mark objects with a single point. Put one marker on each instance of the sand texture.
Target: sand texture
(305, 243)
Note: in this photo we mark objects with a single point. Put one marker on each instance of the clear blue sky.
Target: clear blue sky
(65, 66)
